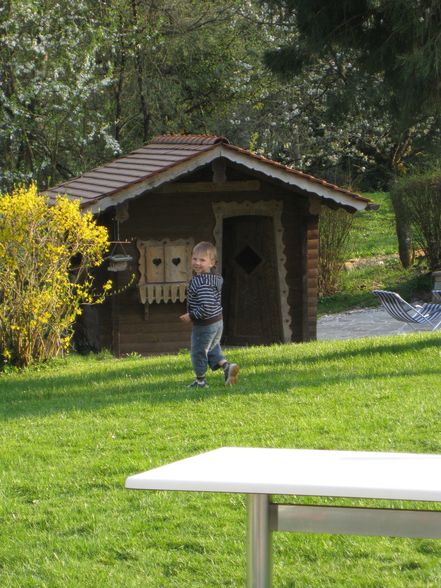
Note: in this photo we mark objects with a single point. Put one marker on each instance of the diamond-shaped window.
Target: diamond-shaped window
(248, 259)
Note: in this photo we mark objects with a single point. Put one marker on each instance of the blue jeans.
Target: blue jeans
(205, 347)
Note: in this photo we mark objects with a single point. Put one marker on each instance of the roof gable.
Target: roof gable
(168, 157)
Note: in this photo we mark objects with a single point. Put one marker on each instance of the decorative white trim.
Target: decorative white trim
(273, 209)
(312, 186)
(293, 178)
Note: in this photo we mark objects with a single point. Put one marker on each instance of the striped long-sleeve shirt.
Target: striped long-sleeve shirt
(204, 298)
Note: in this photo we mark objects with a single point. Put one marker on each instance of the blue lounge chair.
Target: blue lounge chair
(426, 315)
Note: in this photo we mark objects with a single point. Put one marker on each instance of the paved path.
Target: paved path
(368, 322)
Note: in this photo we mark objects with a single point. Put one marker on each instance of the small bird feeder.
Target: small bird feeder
(118, 262)
(118, 259)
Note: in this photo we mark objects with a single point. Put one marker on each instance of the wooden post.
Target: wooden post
(116, 335)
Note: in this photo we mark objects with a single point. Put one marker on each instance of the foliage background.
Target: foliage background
(83, 82)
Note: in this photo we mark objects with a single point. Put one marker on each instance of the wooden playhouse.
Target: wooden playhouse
(180, 189)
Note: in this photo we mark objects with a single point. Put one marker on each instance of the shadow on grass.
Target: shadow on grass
(102, 385)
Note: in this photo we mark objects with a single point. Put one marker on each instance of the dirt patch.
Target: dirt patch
(352, 264)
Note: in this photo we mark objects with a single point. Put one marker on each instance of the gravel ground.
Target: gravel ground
(354, 324)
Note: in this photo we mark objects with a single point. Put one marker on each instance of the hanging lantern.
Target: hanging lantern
(118, 262)
(118, 259)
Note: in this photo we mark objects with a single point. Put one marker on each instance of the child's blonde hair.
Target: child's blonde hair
(208, 248)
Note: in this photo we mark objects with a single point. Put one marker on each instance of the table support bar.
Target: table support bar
(259, 541)
(355, 521)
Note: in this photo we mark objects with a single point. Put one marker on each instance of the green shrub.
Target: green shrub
(335, 227)
(46, 255)
(420, 197)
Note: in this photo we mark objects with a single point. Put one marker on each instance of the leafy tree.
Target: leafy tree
(82, 82)
(420, 197)
(175, 66)
(51, 86)
(46, 255)
(394, 45)
(399, 40)
(330, 118)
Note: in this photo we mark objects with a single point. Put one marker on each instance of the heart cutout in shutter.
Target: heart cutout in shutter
(157, 261)
(176, 260)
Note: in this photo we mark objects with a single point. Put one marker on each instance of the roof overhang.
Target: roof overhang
(289, 177)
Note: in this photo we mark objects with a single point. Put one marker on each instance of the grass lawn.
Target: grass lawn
(74, 430)
(373, 237)
(374, 230)
(355, 289)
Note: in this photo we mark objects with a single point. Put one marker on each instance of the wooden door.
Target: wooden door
(251, 297)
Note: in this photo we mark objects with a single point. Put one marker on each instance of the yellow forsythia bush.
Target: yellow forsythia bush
(47, 253)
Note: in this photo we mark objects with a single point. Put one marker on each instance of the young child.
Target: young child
(204, 311)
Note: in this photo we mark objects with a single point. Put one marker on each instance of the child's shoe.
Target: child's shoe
(198, 383)
(231, 373)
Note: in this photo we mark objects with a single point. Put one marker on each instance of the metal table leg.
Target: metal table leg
(259, 541)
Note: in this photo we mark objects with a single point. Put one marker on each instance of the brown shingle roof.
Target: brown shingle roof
(162, 153)
(168, 156)
(190, 139)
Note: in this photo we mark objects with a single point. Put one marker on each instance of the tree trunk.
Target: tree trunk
(404, 234)
(140, 81)
(402, 224)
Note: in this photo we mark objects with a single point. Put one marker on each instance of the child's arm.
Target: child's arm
(185, 318)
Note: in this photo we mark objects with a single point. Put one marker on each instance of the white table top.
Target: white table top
(303, 472)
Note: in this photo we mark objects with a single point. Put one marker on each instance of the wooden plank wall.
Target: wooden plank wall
(153, 328)
(311, 277)
(157, 329)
